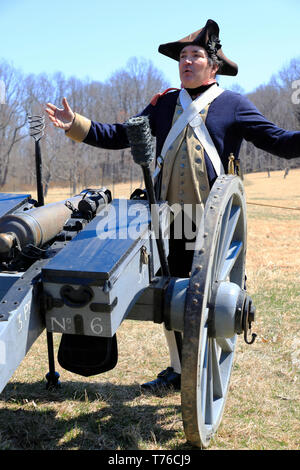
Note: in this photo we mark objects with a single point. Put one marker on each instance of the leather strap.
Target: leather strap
(202, 134)
(191, 116)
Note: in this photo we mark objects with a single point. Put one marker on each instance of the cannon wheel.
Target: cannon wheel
(207, 361)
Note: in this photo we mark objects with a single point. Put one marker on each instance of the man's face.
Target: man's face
(194, 68)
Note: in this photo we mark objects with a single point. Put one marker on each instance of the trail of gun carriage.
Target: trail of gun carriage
(86, 287)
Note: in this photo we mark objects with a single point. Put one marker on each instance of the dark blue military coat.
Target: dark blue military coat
(230, 119)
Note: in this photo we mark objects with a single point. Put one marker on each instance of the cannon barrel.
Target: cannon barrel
(39, 225)
(36, 226)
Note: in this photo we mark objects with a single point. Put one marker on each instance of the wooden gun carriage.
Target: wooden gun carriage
(82, 266)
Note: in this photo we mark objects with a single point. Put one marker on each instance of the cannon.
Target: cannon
(101, 261)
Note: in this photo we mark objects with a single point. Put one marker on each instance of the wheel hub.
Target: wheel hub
(231, 311)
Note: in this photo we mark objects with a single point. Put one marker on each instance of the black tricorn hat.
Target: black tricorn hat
(207, 37)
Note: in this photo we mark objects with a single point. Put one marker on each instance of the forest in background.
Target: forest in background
(123, 95)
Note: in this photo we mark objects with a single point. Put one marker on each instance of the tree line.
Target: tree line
(126, 92)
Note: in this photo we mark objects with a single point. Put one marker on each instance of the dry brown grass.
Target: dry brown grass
(58, 193)
(109, 412)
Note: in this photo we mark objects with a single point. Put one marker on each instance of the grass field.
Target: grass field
(110, 412)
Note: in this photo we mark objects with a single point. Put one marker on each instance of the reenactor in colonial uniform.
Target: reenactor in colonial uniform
(198, 128)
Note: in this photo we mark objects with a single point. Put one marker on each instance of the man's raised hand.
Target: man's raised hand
(61, 118)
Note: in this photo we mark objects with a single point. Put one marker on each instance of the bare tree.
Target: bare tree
(126, 93)
(275, 102)
(12, 117)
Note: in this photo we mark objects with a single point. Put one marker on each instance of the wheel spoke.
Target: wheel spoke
(227, 237)
(211, 384)
(223, 231)
(226, 344)
(218, 389)
(232, 255)
(209, 387)
(226, 361)
(203, 352)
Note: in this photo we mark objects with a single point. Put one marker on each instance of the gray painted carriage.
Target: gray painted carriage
(83, 266)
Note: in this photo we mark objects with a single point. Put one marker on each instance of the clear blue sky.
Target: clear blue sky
(93, 38)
